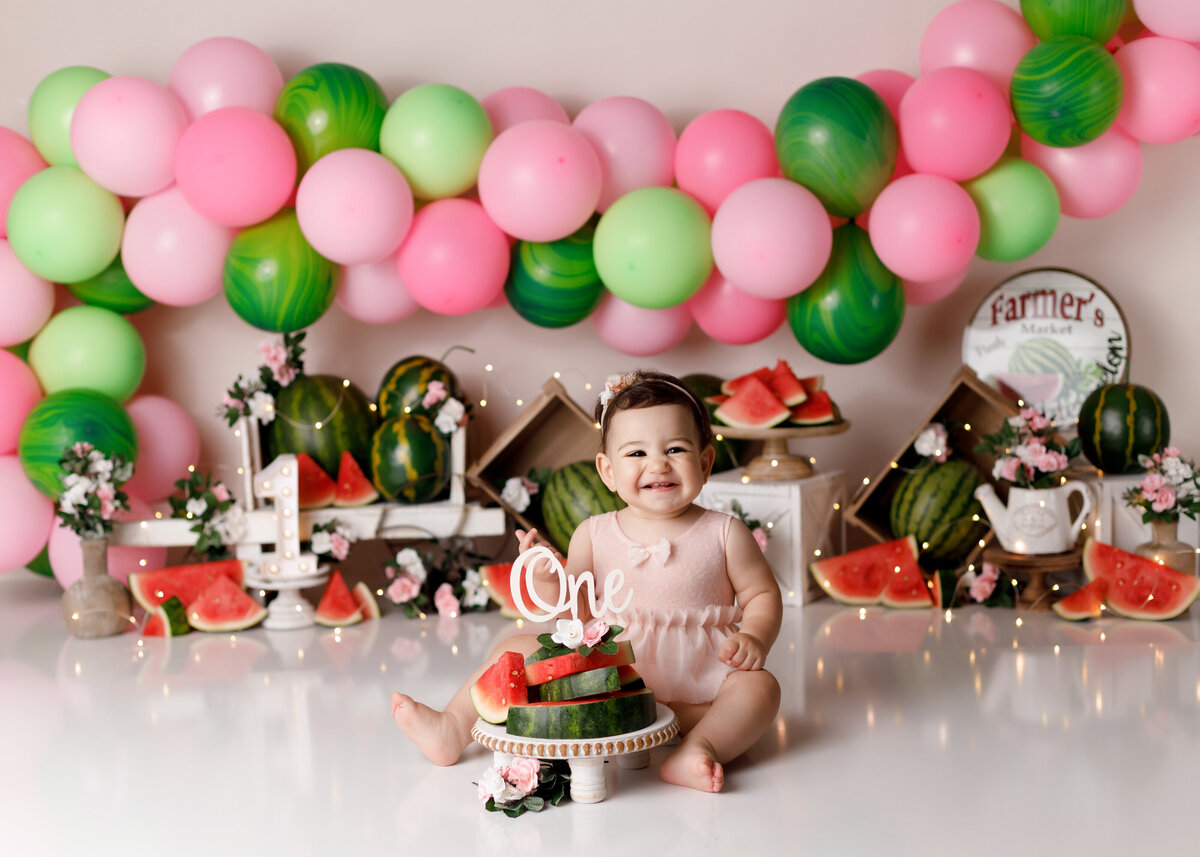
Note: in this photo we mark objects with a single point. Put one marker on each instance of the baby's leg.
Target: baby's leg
(443, 735)
(745, 705)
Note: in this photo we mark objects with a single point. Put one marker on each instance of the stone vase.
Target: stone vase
(96, 605)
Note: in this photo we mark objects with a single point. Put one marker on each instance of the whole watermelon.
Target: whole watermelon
(405, 385)
(573, 494)
(936, 504)
(64, 418)
(410, 459)
(1119, 422)
(344, 412)
(729, 452)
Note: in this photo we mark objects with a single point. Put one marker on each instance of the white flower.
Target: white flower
(410, 562)
(262, 406)
(346, 531)
(515, 494)
(1017, 422)
(78, 490)
(474, 593)
(494, 786)
(98, 465)
(321, 542)
(1176, 470)
(196, 507)
(932, 441)
(231, 525)
(449, 415)
(568, 632)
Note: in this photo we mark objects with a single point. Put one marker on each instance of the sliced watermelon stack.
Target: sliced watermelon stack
(773, 396)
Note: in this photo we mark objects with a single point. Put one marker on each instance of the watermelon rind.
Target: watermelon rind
(354, 489)
(540, 671)
(1087, 602)
(365, 599)
(574, 493)
(1139, 588)
(317, 489)
(224, 606)
(187, 582)
(500, 686)
(860, 577)
(337, 606)
(578, 685)
(616, 714)
(168, 619)
(817, 409)
(752, 405)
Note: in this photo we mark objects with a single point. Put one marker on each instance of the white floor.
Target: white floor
(990, 732)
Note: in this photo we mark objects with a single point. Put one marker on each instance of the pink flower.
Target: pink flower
(1171, 452)
(760, 536)
(990, 572)
(82, 448)
(221, 492)
(1165, 499)
(106, 494)
(1036, 420)
(1049, 462)
(444, 600)
(273, 354)
(981, 588)
(434, 393)
(339, 546)
(1009, 468)
(522, 772)
(229, 401)
(530, 486)
(1151, 484)
(594, 633)
(403, 589)
(284, 375)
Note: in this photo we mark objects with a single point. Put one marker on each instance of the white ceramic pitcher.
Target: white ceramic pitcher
(1036, 520)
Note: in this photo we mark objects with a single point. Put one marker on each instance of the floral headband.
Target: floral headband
(615, 384)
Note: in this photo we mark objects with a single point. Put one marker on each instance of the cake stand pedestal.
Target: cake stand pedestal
(289, 610)
(776, 463)
(585, 756)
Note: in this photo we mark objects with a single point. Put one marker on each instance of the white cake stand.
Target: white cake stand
(586, 756)
(289, 611)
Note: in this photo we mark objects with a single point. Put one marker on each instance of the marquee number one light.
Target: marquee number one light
(286, 569)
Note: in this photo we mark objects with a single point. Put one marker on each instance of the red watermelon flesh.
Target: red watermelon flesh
(497, 579)
(752, 406)
(224, 606)
(185, 582)
(1085, 603)
(353, 488)
(734, 384)
(907, 588)
(501, 685)
(860, 577)
(365, 599)
(337, 606)
(813, 383)
(786, 386)
(817, 410)
(168, 619)
(317, 490)
(540, 672)
(1139, 588)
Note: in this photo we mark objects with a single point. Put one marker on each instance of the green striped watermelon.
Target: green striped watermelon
(578, 685)
(410, 459)
(63, 418)
(1119, 422)
(344, 412)
(405, 385)
(554, 284)
(616, 714)
(573, 494)
(936, 504)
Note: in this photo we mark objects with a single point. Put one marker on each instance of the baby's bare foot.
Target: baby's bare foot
(437, 734)
(693, 765)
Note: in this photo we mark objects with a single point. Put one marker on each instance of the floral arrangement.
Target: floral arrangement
(571, 635)
(756, 527)
(524, 784)
(446, 579)
(451, 415)
(933, 443)
(255, 396)
(982, 586)
(518, 492)
(1169, 489)
(92, 494)
(334, 538)
(1027, 453)
(217, 519)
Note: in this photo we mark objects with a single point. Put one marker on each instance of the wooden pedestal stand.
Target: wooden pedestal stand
(776, 463)
(1035, 567)
(96, 605)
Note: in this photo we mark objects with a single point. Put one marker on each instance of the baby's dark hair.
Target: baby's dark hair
(646, 388)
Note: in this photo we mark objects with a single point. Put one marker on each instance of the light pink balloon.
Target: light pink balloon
(235, 166)
(540, 180)
(985, 35)
(26, 516)
(637, 331)
(924, 227)
(19, 159)
(890, 85)
(66, 557)
(916, 294)
(374, 294)
(19, 391)
(771, 237)
(732, 316)
(721, 150)
(171, 253)
(124, 132)
(1162, 89)
(225, 72)
(455, 259)
(1177, 19)
(516, 104)
(354, 206)
(27, 299)
(167, 443)
(954, 122)
(1095, 179)
(635, 142)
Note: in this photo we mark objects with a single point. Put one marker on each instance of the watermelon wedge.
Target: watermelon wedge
(317, 490)
(497, 579)
(813, 383)
(1084, 603)
(907, 588)
(817, 410)
(1137, 587)
(337, 607)
(734, 384)
(224, 606)
(501, 685)
(185, 582)
(353, 488)
(752, 406)
(861, 577)
(168, 619)
(365, 599)
(785, 385)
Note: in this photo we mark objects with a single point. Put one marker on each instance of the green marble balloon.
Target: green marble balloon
(836, 137)
(555, 284)
(63, 418)
(330, 106)
(1098, 20)
(1066, 91)
(854, 309)
(111, 289)
(274, 279)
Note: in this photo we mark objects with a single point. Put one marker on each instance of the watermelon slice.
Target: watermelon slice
(907, 588)
(786, 386)
(317, 490)
(365, 599)
(860, 577)
(501, 685)
(185, 582)
(224, 607)
(353, 488)
(817, 410)
(813, 383)
(548, 669)
(734, 384)
(168, 619)
(612, 714)
(497, 578)
(337, 607)
(1139, 588)
(718, 399)
(1032, 388)
(752, 406)
(1085, 603)
(630, 678)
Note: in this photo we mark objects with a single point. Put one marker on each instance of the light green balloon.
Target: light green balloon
(653, 247)
(437, 135)
(1018, 210)
(89, 348)
(51, 107)
(63, 226)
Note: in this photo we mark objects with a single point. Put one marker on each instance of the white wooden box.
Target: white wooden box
(804, 520)
(1114, 523)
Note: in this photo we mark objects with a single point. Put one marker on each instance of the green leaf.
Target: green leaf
(515, 811)
(490, 806)
(584, 651)
(609, 648)
(547, 641)
(534, 803)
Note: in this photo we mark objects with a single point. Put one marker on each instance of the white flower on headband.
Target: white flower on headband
(613, 384)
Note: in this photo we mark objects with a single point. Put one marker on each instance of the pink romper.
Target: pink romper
(683, 605)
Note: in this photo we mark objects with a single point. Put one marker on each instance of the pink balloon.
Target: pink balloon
(225, 72)
(771, 237)
(954, 122)
(635, 142)
(19, 159)
(171, 253)
(916, 294)
(734, 317)
(1095, 179)
(167, 443)
(374, 294)
(66, 557)
(455, 259)
(1162, 89)
(124, 132)
(26, 516)
(985, 35)
(235, 166)
(720, 151)
(28, 300)
(890, 85)
(924, 227)
(540, 180)
(19, 391)
(640, 332)
(516, 104)
(1177, 19)
(354, 206)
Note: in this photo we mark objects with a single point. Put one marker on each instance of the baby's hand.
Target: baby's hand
(527, 540)
(743, 651)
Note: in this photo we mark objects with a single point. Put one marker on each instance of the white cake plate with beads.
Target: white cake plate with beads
(586, 756)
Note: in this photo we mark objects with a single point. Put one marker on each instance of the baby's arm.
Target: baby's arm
(758, 594)
(579, 560)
